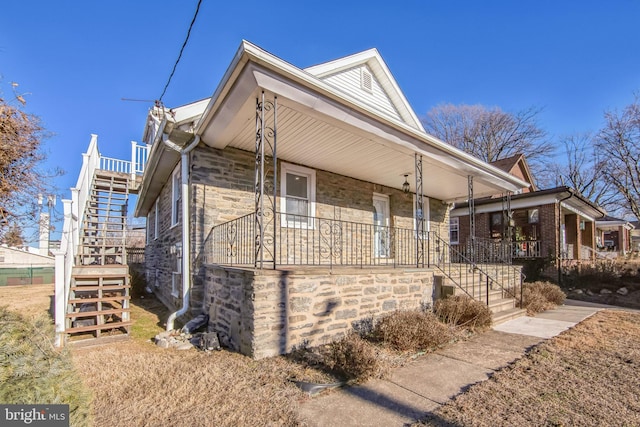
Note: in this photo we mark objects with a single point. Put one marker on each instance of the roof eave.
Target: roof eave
(249, 52)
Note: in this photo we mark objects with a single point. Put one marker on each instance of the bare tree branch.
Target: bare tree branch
(619, 144)
(491, 134)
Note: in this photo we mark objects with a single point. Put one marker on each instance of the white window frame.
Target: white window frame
(156, 221)
(310, 174)
(175, 195)
(427, 214)
(148, 233)
(456, 221)
(175, 281)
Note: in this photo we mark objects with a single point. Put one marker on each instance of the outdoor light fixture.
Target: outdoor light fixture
(405, 186)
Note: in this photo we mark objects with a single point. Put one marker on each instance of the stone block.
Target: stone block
(346, 314)
(389, 305)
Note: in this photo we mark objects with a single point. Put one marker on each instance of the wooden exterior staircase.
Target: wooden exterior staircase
(99, 292)
(92, 284)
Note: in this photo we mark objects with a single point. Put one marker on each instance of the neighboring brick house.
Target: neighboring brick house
(357, 217)
(556, 224)
(614, 235)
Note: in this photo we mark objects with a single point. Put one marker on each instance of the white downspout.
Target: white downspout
(186, 230)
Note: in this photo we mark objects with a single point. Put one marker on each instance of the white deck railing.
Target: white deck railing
(74, 216)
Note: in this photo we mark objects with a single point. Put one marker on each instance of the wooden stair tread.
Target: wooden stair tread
(102, 299)
(113, 325)
(97, 287)
(77, 314)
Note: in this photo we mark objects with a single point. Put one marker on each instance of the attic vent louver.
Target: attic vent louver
(366, 80)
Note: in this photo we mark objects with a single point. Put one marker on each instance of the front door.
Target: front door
(380, 226)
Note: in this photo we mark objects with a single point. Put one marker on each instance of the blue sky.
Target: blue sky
(77, 59)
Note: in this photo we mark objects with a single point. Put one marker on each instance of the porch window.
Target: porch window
(454, 231)
(175, 196)
(496, 225)
(533, 215)
(298, 190)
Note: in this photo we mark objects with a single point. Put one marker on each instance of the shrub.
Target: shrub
(461, 310)
(412, 330)
(540, 296)
(32, 371)
(353, 357)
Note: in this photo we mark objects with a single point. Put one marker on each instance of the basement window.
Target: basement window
(366, 80)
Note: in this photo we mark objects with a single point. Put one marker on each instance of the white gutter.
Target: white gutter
(186, 231)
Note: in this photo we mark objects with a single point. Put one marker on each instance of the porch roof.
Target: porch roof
(325, 128)
(611, 223)
(567, 197)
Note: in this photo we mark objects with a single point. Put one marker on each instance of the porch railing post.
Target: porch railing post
(419, 212)
(472, 219)
(265, 138)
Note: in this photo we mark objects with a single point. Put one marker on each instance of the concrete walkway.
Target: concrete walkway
(430, 381)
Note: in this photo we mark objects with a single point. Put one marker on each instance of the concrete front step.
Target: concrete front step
(503, 304)
(507, 315)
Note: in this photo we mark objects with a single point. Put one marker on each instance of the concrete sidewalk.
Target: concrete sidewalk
(430, 381)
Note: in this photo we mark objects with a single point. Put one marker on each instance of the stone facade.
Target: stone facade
(263, 313)
(163, 249)
(221, 190)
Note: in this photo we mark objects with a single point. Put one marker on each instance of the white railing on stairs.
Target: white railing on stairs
(74, 216)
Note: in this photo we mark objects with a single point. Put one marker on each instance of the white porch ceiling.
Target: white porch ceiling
(316, 131)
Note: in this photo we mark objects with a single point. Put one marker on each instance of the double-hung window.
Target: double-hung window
(425, 215)
(156, 219)
(298, 193)
(454, 231)
(175, 196)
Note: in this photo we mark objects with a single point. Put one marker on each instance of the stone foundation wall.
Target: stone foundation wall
(264, 313)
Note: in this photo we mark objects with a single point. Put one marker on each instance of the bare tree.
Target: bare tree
(619, 147)
(21, 179)
(491, 134)
(582, 170)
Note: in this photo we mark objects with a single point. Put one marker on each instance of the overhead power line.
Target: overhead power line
(195, 15)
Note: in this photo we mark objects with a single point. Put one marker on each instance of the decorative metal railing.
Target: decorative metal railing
(306, 240)
(311, 241)
(478, 276)
(500, 251)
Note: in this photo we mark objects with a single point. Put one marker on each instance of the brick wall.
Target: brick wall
(263, 313)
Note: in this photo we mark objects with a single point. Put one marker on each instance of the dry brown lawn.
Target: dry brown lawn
(136, 383)
(27, 299)
(588, 376)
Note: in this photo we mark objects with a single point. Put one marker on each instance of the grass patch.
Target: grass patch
(32, 371)
(541, 296)
(587, 376)
(461, 310)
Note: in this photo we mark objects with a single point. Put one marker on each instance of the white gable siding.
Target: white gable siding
(348, 82)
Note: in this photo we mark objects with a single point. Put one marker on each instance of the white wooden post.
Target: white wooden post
(134, 160)
(61, 287)
(59, 297)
